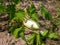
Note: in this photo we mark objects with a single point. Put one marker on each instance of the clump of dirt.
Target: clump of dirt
(3, 21)
(6, 39)
(52, 42)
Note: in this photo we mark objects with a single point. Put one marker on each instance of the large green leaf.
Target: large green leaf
(35, 17)
(17, 32)
(20, 15)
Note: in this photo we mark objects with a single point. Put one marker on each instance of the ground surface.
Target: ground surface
(6, 39)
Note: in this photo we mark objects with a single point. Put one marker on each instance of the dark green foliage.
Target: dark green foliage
(20, 15)
(35, 17)
(45, 13)
(31, 9)
(34, 39)
(1, 8)
(16, 1)
(11, 10)
(13, 26)
(33, 13)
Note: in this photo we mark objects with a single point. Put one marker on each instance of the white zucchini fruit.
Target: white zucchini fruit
(31, 24)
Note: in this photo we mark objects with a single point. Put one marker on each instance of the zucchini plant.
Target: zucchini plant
(21, 19)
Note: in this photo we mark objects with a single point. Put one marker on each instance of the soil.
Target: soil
(7, 39)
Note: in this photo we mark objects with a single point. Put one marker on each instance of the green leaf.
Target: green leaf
(45, 13)
(11, 11)
(14, 23)
(35, 17)
(1, 8)
(22, 35)
(11, 29)
(31, 38)
(20, 15)
(38, 39)
(17, 31)
(32, 13)
(31, 9)
(43, 43)
(45, 32)
(53, 35)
